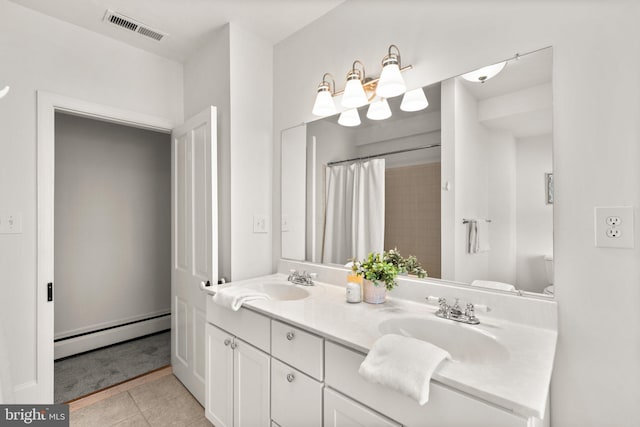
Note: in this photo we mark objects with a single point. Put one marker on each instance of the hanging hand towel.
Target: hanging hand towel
(234, 296)
(403, 364)
(473, 244)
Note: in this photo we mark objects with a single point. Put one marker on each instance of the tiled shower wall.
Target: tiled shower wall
(412, 213)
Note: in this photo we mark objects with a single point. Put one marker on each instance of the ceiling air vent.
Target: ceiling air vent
(127, 23)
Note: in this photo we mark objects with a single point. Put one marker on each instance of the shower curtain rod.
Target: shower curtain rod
(406, 150)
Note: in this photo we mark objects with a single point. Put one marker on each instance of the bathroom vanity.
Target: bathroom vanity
(293, 360)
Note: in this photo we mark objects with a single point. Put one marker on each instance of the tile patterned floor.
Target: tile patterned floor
(159, 403)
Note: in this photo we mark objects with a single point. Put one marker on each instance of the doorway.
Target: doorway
(112, 251)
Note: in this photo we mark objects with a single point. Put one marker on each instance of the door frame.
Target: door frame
(40, 389)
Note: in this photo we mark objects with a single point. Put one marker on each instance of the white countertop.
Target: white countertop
(520, 383)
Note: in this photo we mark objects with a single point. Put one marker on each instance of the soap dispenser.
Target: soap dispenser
(354, 290)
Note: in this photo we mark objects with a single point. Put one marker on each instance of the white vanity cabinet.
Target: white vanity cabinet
(238, 381)
(446, 407)
(297, 371)
(340, 411)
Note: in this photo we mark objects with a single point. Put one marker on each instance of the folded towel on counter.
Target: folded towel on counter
(493, 285)
(234, 296)
(403, 364)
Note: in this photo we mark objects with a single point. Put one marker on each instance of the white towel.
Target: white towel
(472, 237)
(234, 296)
(403, 364)
(493, 285)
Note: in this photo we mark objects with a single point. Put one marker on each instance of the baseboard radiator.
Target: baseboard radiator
(91, 340)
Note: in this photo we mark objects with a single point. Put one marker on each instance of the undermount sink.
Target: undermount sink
(465, 343)
(280, 291)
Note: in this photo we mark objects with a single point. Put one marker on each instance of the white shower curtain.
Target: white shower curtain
(354, 211)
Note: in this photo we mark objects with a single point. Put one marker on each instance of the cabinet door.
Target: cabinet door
(251, 386)
(219, 375)
(340, 411)
(296, 399)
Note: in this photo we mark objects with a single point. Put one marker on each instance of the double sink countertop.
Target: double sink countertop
(509, 366)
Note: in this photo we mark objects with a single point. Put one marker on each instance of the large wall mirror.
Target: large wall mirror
(465, 185)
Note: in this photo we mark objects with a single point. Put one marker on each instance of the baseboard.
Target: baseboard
(115, 335)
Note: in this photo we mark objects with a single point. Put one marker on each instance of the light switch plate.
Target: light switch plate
(259, 224)
(11, 223)
(284, 225)
(614, 227)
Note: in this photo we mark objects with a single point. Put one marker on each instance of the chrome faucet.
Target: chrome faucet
(304, 278)
(454, 312)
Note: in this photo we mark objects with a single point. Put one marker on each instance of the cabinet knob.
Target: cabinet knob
(234, 345)
(290, 335)
(227, 341)
(290, 377)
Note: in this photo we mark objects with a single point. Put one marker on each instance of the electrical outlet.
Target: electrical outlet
(614, 227)
(613, 220)
(614, 233)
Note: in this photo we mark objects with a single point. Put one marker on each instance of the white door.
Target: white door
(194, 234)
(251, 385)
(219, 388)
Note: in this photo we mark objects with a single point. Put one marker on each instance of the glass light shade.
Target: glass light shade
(483, 74)
(379, 110)
(324, 105)
(349, 118)
(4, 91)
(391, 82)
(414, 100)
(354, 95)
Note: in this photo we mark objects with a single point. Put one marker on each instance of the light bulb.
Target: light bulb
(391, 82)
(414, 100)
(324, 105)
(349, 118)
(379, 110)
(354, 95)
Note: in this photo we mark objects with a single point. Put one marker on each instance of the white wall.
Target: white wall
(294, 189)
(501, 197)
(251, 115)
(534, 216)
(472, 185)
(112, 224)
(224, 72)
(71, 61)
(206, 82)
(596, 152)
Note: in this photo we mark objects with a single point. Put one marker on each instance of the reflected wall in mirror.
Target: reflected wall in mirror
(462, 184)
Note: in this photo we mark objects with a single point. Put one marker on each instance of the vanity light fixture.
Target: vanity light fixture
(414, 100)
(354, 95)
(4, 91)
(391, 82)
(360, 89)
(379, 110)
(483, 74)
(349, 118)
(324, 105)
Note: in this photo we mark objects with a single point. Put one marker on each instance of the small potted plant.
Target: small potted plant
(379, 277)
(409, 265)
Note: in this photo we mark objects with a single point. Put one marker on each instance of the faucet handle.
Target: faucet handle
(481, 307)
(433, 299)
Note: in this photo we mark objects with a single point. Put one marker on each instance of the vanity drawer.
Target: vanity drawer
(296, 399)
(446, 407)
(298, 348)
(248, 325)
